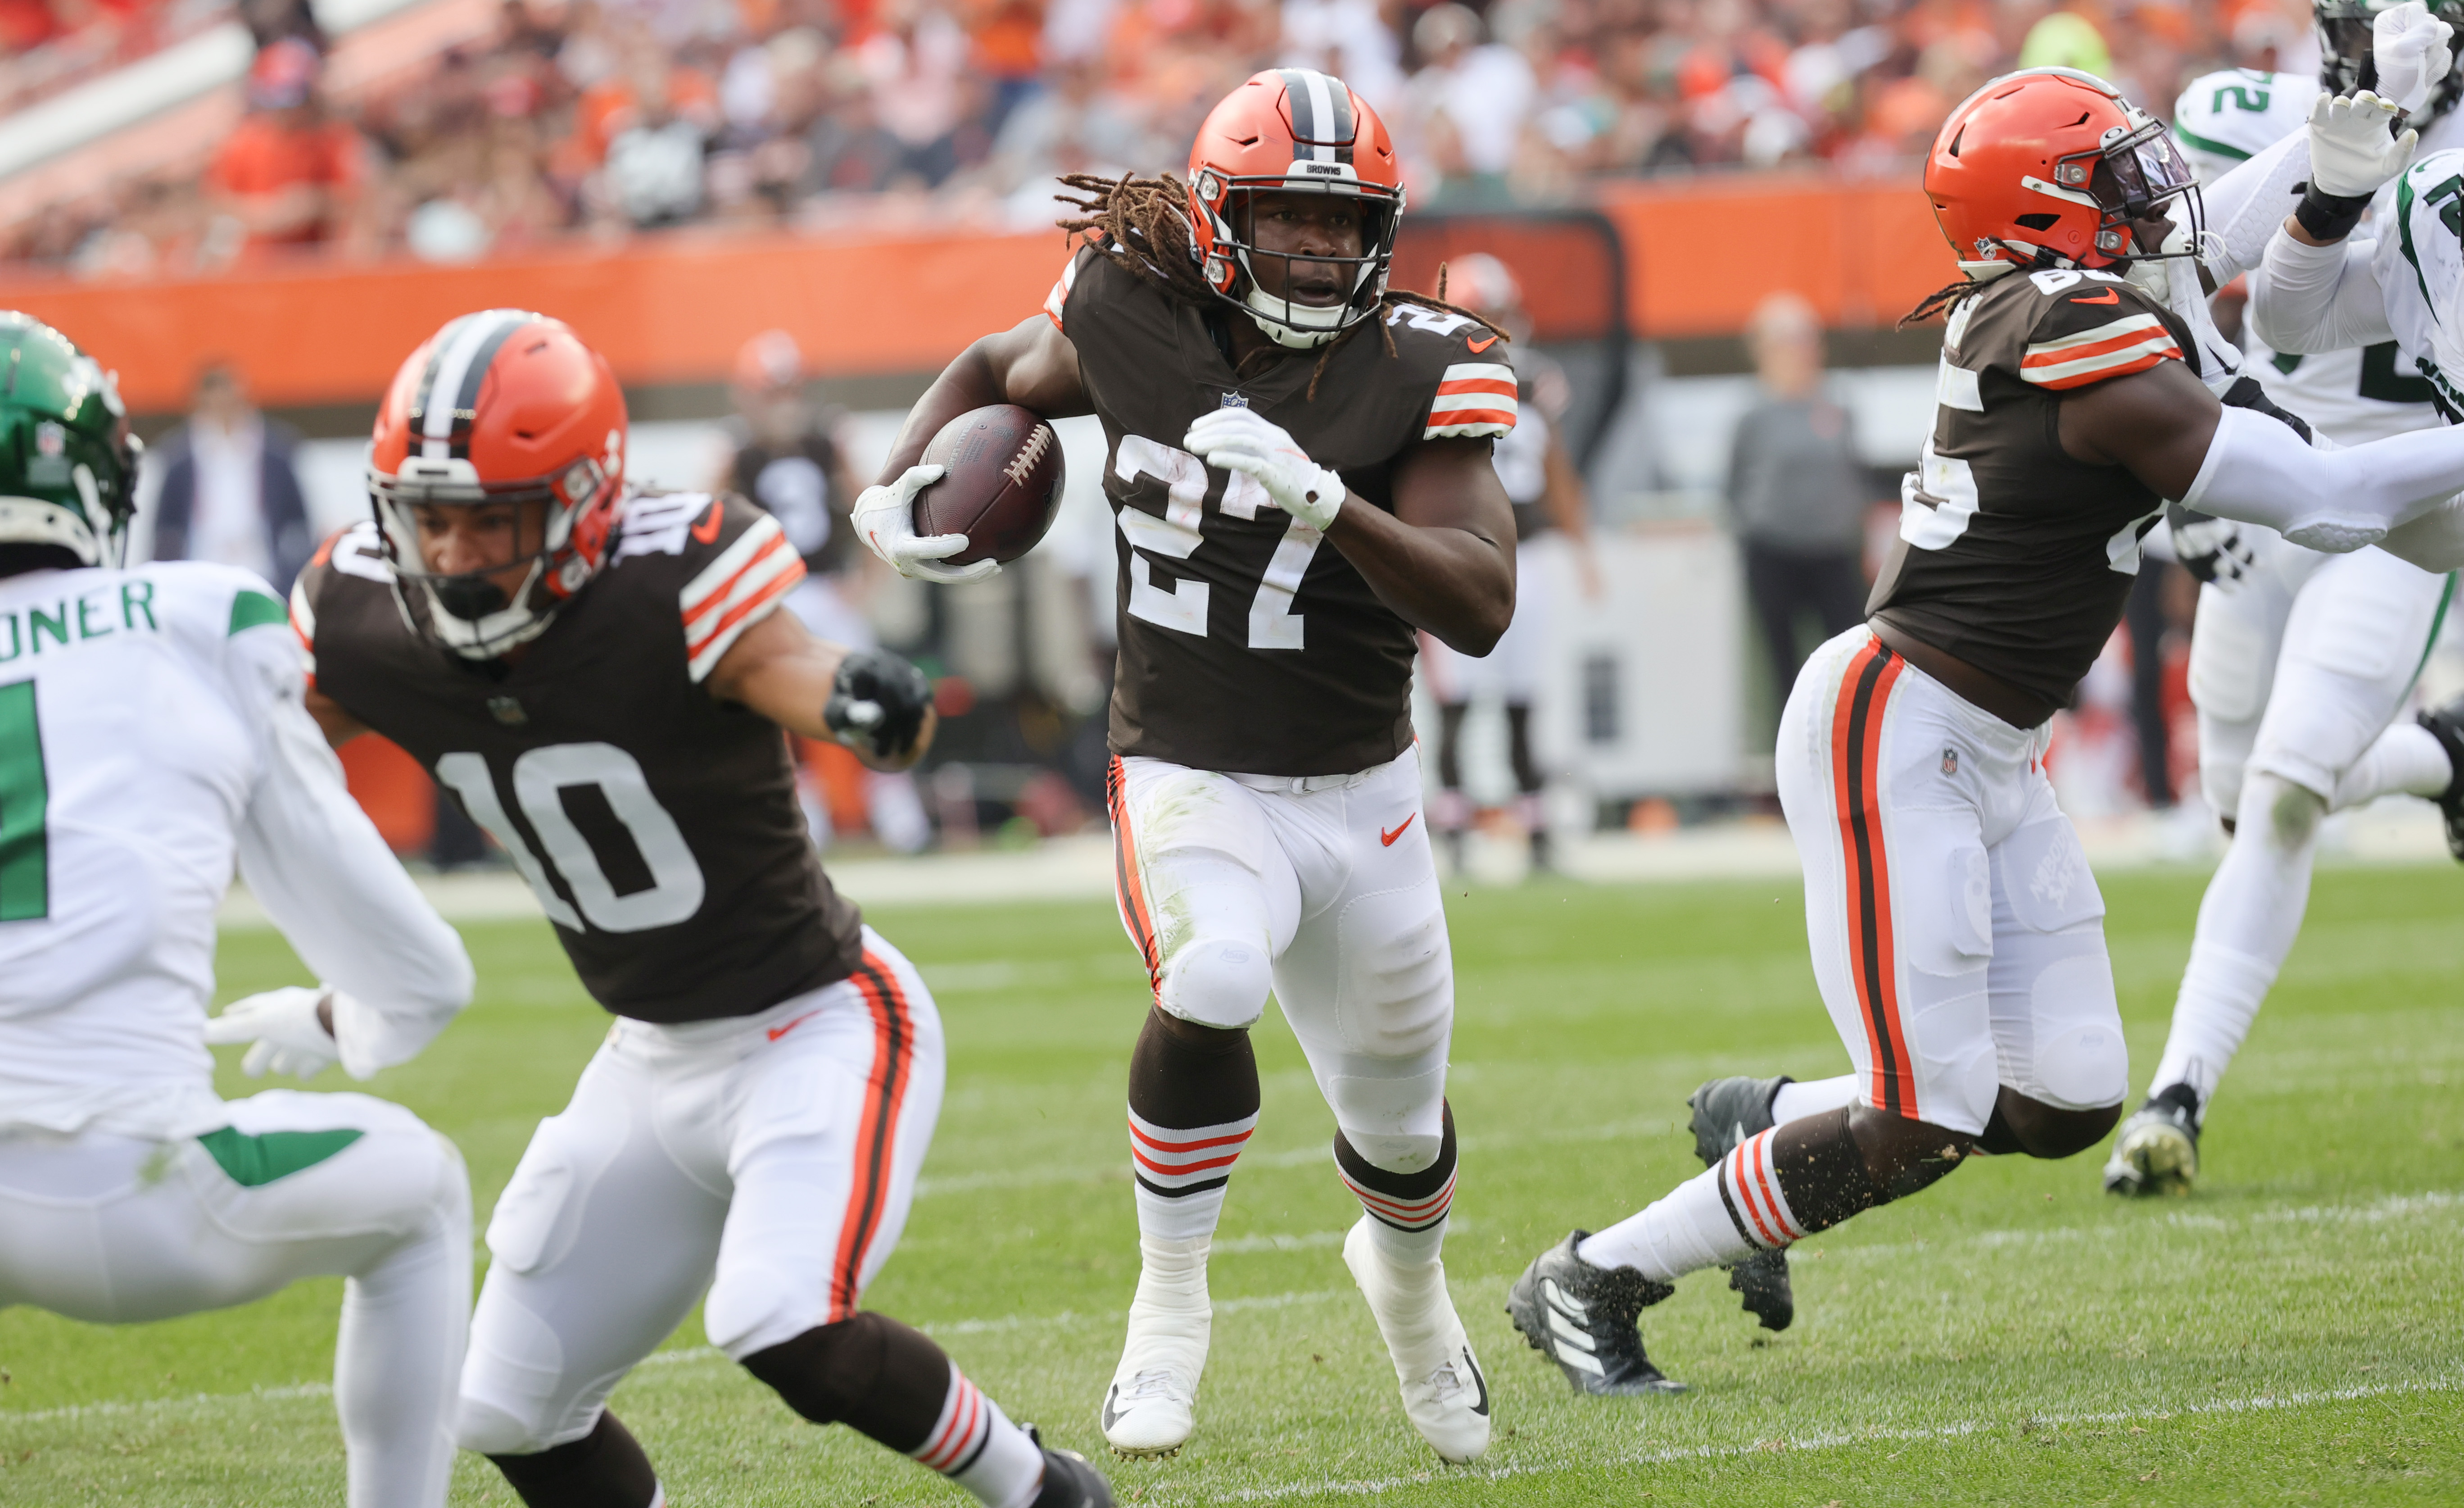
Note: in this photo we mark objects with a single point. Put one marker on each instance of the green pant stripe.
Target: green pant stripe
(255, 1160)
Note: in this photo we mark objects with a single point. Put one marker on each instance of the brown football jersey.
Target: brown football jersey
(2011, 554)
(1244, 645)
(657, 825)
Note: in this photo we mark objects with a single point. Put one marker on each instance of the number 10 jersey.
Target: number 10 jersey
(657, 824)
(1244, 645)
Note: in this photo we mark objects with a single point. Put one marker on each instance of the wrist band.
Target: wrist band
(2328, 216)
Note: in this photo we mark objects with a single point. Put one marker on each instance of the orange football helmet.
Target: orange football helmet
(1293, 129)
(499, 407)
(2046, 168)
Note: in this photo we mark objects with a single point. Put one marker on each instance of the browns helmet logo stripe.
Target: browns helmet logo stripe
(448, 399)
(1321, 114)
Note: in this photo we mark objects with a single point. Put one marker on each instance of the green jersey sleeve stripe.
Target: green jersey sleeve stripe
(2404, 237)
(2198, 143)
(254, 610)
(253, 1162)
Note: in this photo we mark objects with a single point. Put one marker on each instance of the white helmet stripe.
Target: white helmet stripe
(467, 344)
(1321, 100)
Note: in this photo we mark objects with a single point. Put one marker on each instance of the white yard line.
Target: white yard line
(2392, 1207)
(2258, 1403)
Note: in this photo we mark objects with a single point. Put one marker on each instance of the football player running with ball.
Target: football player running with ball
(1957, 934)
(151, 734)
(601, 679)
(1299, 464)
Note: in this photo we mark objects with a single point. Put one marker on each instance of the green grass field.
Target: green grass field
(2293, 1334)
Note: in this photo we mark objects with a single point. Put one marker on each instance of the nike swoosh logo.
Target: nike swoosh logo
(1388, 838)
(707, 529)
(775, 1033)
(1478, 346)
(2110, 295)
(1481, 1383)
(1111, 1415)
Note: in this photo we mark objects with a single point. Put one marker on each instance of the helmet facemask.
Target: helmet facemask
(471, 613)
(1231, 262)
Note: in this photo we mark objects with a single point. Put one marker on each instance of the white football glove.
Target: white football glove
(2411, 48)
(884, 519)
(1243, 440)
(2350, 152)
(282, 1025)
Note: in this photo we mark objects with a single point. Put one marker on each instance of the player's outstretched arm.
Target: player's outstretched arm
(394, 972)
(873, 701)
(2168, 429)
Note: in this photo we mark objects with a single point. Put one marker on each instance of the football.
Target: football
(1002, 485)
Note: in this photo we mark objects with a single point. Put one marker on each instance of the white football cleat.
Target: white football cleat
(1152, 1405)
(1444, 1394)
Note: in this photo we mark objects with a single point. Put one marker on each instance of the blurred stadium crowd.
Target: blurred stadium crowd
(609, 117)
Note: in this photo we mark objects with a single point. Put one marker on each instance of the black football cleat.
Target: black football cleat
(1068, 1480)
(1583, 1318)
(2157, 1150)
(2446, 725)
(1726, 1112)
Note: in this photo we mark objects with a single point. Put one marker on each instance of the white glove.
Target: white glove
(2409, 47)
(884, 519)
(1243, 440)
(2350, 152)
(282, 1025)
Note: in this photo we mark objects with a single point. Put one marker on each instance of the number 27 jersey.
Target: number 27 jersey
(657, 824)
(1245, 643)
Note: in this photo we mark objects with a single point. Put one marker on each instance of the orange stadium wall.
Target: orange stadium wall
(1700, 254)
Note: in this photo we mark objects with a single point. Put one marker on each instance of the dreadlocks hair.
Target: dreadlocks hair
(1140, 225)
(1941, 301)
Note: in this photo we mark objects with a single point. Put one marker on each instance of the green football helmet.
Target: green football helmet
(68, 464)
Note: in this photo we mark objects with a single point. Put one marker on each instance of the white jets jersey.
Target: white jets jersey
(2226, 119)
(151, 733)
(2353, 396)
(2417, 264)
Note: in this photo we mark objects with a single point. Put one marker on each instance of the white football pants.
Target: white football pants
(778, 1152)
(1958, 937)
(2298, 669)
(1320, 889)
(2298, 666)
(116, 1230)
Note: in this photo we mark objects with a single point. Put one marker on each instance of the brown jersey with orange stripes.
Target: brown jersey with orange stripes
(657, 824)
(1245, 646)
(2011, 554)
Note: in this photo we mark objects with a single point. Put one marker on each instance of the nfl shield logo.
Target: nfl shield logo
(49, 439)
(1950, 761)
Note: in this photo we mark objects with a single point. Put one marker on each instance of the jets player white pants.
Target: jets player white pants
(1320, 889)
(2297, 668)
(769, 1159)
(116, 1230)
(2299, 665)
(1958, 937)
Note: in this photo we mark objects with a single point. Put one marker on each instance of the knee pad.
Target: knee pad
(2282, 811)
(486, 1430)
(1397, 1125)
(1217, 981)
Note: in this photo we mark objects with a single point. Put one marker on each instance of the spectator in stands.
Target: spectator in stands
(290, 173)
(1797, 495)
(231, 490)
(270, 21)
(1468, 105)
